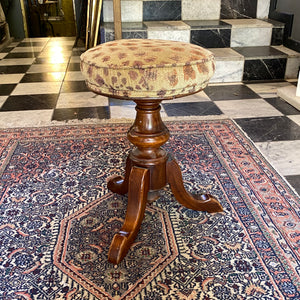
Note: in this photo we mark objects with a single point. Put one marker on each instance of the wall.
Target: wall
(293, 7)
(14, 19)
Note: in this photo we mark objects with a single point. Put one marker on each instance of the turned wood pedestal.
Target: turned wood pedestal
(148, 169)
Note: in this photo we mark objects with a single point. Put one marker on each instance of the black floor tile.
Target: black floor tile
(230, 92)
(14, 69)
(270, 129)
(30, 102)
(6, 50)
(6, 89)
(41, 77)
(262, 51)
(73, 67)
(262, 69)
(65, 114)
(77, 52)
(191, 109)
(283, 106)
(22, 55)
(31, 44)
(294, 181)
(161, 10)
(74, 86)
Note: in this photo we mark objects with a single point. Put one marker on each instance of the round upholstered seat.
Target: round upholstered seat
(147, 69)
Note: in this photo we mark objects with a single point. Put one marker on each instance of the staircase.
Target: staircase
(247, 45)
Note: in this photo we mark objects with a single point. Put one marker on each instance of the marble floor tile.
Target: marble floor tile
(201, 10)
(83, 99)
(41, 77)
(32, 44)
(12, 119)
(124, 111)
(294, 180)
(14, 69)
(132, 11)
(169, 30)
(263, 7)
(2, 100)
(36, 39)
(249, 108)
(295, 118)
(33, 88)
(250, 36)
(283, 106)
(249, 23)
(73, 67)
(229, 92)
(198, 97)
(27, 49)
(52, 60)
(238, 9)
(264, 69)
(16, 62)
(191, 109)
(75, 59)
(250, 32)
(267, 89)
(162, 10)
(270, 129)
(55, 53)
(74, 76)
(45, 68)
(120, 103)
(81, 113)
(74, 86)
(171, 35)
(211, 38)
(30, 102)
(21, 55)
(10, 78)
(228, 71)
(166, 25)
(260, 52)
(283, 155)
(6, 89)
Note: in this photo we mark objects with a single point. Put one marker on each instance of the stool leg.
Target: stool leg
(119, 184)
(201, 202)
(137, 198)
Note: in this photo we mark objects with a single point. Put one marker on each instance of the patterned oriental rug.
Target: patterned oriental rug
(58, 218)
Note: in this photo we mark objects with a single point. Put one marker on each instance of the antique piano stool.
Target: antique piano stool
(147, 72)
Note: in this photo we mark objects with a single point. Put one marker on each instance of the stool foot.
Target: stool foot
(138, 188)
(201, 202)
(119, 184)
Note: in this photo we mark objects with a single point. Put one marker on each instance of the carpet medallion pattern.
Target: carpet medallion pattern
(57, 219)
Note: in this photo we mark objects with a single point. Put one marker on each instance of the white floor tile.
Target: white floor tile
(248, 108)
(283, 155)
(12, 119)
(10, 78)
(34, 88)
(84, 99)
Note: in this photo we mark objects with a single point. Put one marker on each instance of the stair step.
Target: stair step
(237, 58)
(208, 34)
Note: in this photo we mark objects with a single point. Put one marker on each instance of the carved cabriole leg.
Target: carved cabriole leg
(137, 199)
(119, 184)
(201, 202)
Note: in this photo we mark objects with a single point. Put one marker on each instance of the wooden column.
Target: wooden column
(117, 19)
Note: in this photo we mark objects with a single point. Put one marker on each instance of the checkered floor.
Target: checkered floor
(41, 84)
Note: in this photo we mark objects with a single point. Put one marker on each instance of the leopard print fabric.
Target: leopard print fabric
(140, 68)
